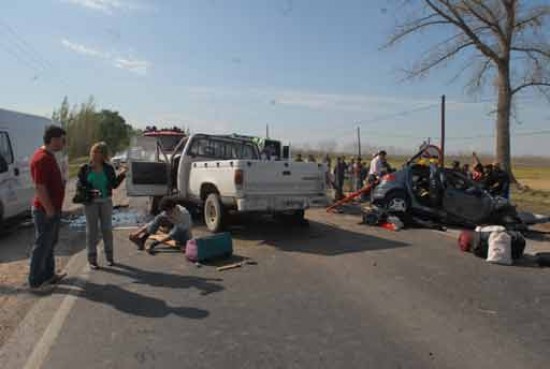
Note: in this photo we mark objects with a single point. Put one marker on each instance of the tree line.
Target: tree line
(85, 124)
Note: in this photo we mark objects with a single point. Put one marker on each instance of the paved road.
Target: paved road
(336, 295)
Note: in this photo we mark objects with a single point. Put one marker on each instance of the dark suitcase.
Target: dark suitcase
(211, 247)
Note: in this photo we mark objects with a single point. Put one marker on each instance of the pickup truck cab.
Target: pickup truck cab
(222, 174)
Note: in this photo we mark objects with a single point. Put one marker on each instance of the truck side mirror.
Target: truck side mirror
(3, 164)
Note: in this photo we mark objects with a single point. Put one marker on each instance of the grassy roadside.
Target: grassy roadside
(75, 164)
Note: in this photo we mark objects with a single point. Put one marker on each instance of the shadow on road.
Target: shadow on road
(16, 243)
(130, 302)
(317, 238)
(158, 279)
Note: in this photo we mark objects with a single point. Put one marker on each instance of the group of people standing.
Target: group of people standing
(492, 177)
(358, 172)
(96, 181)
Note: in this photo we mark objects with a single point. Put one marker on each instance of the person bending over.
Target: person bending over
(176, 215)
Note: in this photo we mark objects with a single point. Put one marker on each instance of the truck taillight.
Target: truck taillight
(239, 177)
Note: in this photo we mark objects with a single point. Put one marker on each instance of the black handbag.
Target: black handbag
(81, 195)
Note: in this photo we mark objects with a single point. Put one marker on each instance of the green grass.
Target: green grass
(74, 165)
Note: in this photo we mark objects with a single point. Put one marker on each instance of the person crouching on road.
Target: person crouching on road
(179, 218)
(97, 179)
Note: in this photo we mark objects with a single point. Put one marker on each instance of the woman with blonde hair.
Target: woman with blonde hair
(96, 180)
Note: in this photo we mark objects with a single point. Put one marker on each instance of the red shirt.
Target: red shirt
(45, 171)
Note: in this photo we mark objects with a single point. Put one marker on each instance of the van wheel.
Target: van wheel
(214, 213)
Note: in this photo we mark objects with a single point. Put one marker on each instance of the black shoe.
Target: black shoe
(138, 241)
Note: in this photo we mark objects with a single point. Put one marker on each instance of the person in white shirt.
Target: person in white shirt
(377, 166)
(179, 218)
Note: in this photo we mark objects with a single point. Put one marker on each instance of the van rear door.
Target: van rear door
(147, 174)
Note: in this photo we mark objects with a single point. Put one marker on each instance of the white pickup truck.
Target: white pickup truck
(222, 174)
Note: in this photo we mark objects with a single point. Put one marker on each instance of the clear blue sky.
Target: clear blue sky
(311, 69)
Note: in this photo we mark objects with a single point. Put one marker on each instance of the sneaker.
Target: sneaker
(138, 241)
(93, 265)
(110, 263)
(56, 278)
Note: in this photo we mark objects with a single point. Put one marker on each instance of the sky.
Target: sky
(312, 70)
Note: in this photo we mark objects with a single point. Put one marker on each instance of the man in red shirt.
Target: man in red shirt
(46, 208)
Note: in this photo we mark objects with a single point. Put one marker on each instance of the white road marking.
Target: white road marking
(44, 345)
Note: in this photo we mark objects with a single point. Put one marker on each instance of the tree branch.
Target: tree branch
(530, 84)
(424, 67)
(545, 53)
(492, 24)
(459, 22)
(415, 26)
(536, 17)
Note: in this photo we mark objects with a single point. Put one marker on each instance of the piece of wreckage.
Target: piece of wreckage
(423, 194)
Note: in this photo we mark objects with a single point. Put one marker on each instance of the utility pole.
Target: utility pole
(442, 130)
(267, 131)
(359, 141)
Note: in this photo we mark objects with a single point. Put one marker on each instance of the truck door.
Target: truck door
(146, 175)
(10, 186)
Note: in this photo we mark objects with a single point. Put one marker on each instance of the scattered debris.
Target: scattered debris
(121, 218)
(236, 265)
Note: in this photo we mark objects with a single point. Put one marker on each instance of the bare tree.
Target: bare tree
(510, 44)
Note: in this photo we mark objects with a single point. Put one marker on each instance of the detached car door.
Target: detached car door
(147, 176)
(465, 200)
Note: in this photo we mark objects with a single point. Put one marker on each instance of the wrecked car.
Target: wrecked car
(421, 188)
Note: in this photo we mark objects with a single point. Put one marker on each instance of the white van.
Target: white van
(20, 136)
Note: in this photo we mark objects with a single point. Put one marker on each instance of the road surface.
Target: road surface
(336, 295)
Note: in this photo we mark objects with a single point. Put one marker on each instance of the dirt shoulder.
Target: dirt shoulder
(15, 245)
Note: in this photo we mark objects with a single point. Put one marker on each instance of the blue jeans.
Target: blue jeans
(178, 234)
(42, 265)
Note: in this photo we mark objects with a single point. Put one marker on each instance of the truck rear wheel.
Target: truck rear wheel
(154, 202)
(214, 213)
(296, 217)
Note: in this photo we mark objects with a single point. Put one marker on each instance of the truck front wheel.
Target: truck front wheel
(214, 213)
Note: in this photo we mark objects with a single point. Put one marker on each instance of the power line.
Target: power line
(25, 53)
(399, 114)
(26, 47)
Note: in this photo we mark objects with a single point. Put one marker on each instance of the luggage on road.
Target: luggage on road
(500, 248)
(480, 245)
(478, 242)
(465, 240)
(210, 247)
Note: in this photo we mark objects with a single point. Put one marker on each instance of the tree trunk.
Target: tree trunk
(504, 107)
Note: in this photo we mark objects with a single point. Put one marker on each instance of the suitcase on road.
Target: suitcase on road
(210, 247)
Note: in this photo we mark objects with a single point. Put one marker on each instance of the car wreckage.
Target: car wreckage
(424, 191)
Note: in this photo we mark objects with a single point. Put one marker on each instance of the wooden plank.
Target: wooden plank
(158, 237)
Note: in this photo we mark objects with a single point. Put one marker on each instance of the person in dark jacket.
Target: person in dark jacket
(96, 180)
(339, 176)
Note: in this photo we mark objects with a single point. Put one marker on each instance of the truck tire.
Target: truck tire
(154, 202)
(214, 213)
(296, 217)
(299, 218)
